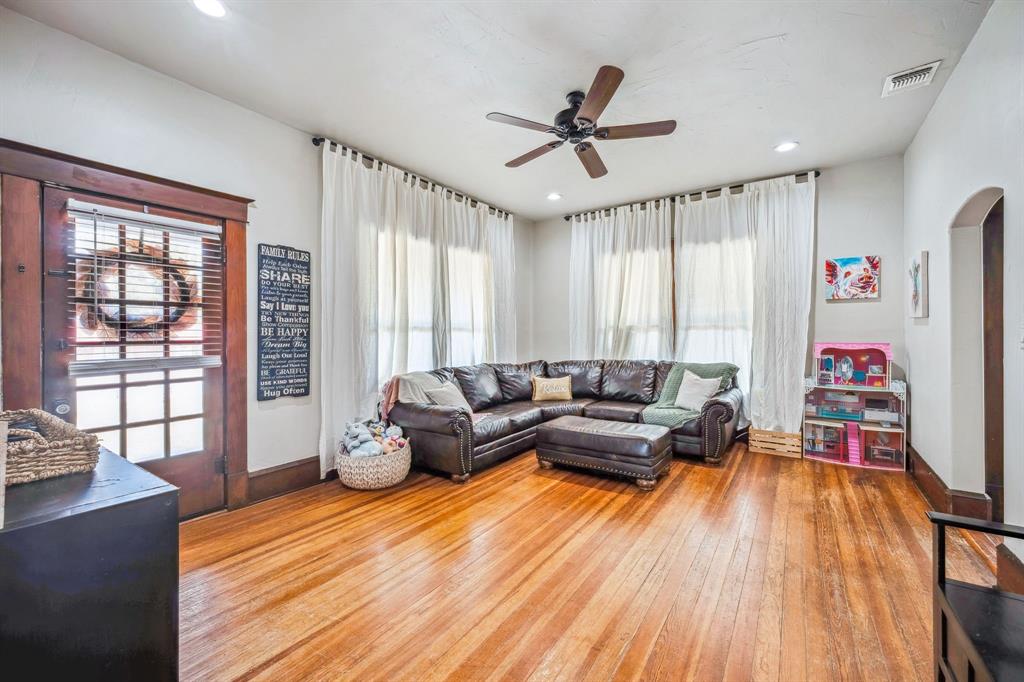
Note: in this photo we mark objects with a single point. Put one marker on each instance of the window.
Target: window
(145, 329)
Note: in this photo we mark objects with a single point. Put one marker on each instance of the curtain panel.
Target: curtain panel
(783, 214)
(621, 283)
(412, 278)
(714, 285)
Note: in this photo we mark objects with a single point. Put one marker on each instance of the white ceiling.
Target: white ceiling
(412, 81)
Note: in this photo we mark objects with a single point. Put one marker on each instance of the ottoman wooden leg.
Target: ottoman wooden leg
(544, 464)
(460, 478)
(646, 483)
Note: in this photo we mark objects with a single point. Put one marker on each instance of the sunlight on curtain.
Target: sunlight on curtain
(621, 283)
(714, 263)
(782, 212)
(411, 279)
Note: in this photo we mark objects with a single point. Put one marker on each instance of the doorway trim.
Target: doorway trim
(984, 211)
(25, 170)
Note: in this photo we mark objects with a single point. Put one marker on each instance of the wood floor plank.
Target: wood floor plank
(762, 568)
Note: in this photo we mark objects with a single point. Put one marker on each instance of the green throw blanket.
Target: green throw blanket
(664, 412)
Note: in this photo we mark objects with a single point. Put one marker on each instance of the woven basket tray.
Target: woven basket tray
(58, 449)
(373, 473)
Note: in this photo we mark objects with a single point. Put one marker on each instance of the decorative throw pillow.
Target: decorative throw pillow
(448, 394)
(694, 391)
(552, 389)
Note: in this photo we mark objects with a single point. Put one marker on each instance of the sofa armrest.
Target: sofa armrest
(718, 420)
(427, 417)
(441, 435)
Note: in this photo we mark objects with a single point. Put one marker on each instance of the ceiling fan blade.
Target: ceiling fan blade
(591, 160)
(652, 129)
(516, 121)
(605, 84)
(531, 155)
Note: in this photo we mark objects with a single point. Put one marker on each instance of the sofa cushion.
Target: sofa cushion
(514, 379)
(660, 375)
(479, 384)
(552, 409)
(444, 373)
(628, 380)
(488, 427)
(521, 414)
(586, 376)
(614, 410)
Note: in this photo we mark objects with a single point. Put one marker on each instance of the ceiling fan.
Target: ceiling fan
(579, 122)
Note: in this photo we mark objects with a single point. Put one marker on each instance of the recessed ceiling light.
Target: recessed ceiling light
(554, 196)
(786, 146)
(213, 8)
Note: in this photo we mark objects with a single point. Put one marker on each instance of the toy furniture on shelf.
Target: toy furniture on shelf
(854, 411)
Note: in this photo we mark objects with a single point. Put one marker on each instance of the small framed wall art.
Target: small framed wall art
(918, 290)
(854, 277)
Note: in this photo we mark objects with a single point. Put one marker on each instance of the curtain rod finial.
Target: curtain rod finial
(317, 141)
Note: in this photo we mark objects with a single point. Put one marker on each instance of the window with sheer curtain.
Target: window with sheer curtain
(413, 277)
(724, 276)
(621, 283)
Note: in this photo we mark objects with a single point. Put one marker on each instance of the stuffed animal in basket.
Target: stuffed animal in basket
(373, 439)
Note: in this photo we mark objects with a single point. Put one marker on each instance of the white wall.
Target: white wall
(551, 242)
(522, 232)
(860, 213)
(61, 93)
(972, 139)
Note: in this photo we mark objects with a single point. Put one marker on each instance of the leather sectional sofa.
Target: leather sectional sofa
(450, 440)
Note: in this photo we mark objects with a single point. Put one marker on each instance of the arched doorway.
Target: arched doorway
(976, 280)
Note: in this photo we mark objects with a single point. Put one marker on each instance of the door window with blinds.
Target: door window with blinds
(144, 333)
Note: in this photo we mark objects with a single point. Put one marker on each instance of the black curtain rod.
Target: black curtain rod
(672, 197)
(317, 141)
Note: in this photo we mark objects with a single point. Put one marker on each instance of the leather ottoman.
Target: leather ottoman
(640, 451)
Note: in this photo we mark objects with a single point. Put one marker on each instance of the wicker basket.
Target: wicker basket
(58, 449)
(373, 473)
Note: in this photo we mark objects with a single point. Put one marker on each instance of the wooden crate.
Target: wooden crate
(776, 443)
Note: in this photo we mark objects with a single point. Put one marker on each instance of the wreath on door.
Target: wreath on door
(138, 273)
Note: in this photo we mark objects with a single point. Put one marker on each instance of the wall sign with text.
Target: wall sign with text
(282, 364)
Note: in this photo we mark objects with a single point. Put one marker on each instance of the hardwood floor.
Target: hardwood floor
(766, 568)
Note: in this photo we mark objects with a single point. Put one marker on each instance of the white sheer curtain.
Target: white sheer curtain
(412, 278)
(783, 214)
(621, 283)
(714, 263)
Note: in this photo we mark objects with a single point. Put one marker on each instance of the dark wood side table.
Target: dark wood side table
(978, 631)
(89, 577)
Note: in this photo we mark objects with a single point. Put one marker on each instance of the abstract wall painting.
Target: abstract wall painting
(855, 277)
(918, 290)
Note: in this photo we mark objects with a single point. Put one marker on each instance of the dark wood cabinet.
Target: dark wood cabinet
(89, 576)
(978, 631)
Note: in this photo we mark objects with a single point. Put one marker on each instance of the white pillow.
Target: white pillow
(448, 394)
(694, 391)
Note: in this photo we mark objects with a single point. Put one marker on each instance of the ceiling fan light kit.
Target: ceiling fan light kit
(578, 123)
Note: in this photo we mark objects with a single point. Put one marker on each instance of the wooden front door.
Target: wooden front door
(132, 335)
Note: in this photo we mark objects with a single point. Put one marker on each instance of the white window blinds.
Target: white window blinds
(144, 291)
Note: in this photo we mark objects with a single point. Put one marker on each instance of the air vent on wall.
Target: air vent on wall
(911, 79)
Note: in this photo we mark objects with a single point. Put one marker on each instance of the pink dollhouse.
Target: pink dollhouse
(855, 412)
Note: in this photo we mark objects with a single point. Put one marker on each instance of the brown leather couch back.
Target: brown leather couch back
(479, 384)
(628, 380)
(585, 374)
(661, 376)
(515, 379)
